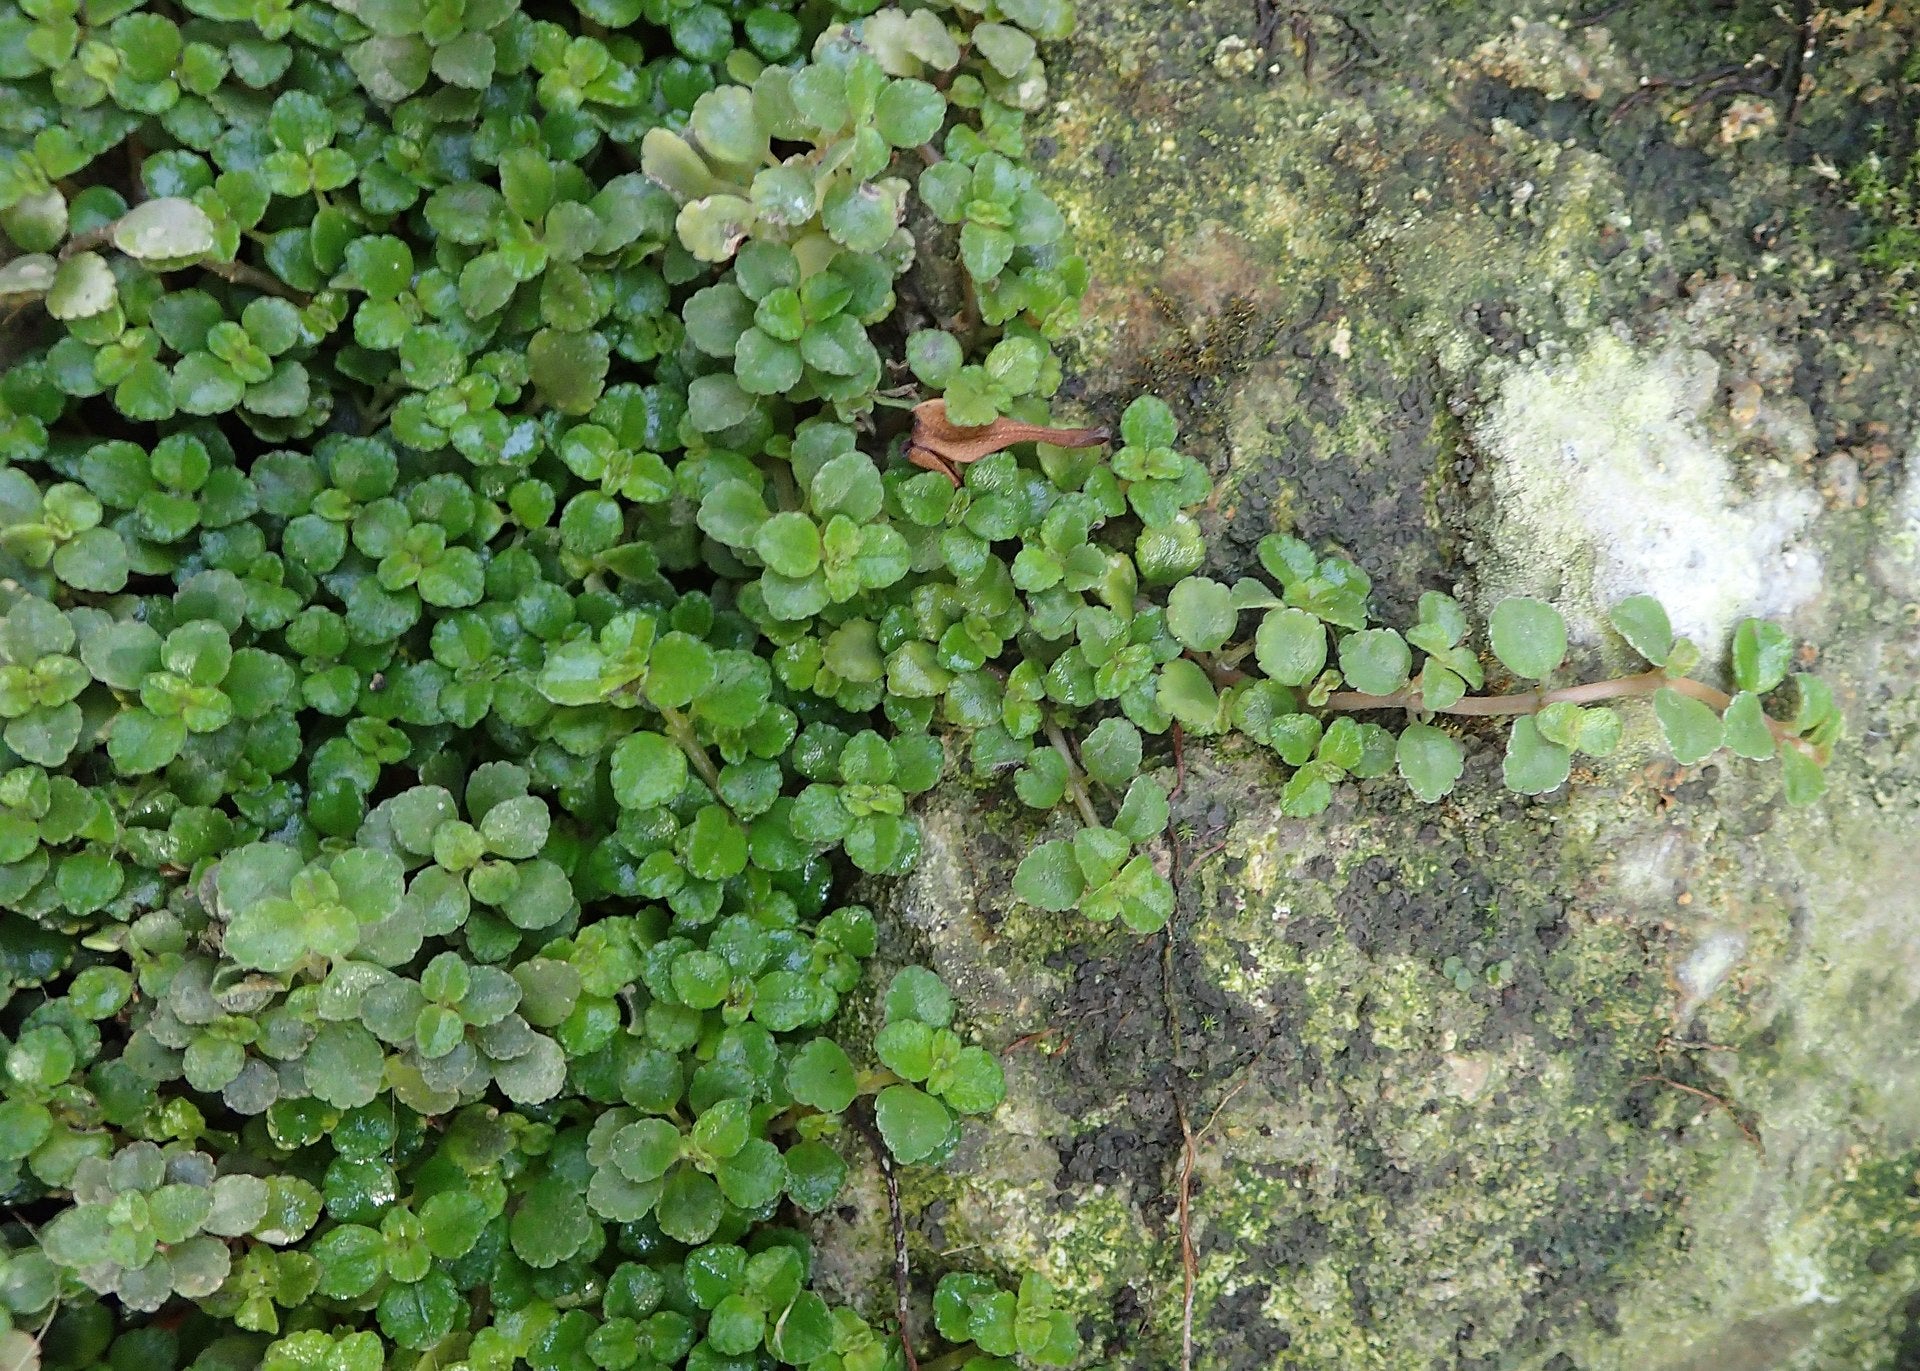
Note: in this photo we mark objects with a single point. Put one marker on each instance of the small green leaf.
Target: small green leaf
(934, 357)
(789, 543)
(1529, 636)
(643, 1150)
(815, 1173)
(1049, 878)
(1144, 811)
(862, 218)
(83, 287)
(1291, 646)
(166, 229)
(1375, 661)
(1599, 732)
(713, 226)
(1694, 732)
(727, 127)
(1111, 752)
(1200, 613)
(1148, 423)
(1747, 733)
(916, 993)
(975, 1083)
(909, 112)
(690, 1206)
(1642, 621)
(1187, 694)
(914, 1124)
(1762, 655)
(1430, 760)
(905, 1047)
(821, 1076)
(1802, 779)
(717, 402)
(1533, 765)
(551, 1224)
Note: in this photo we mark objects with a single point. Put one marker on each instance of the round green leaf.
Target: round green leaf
(1375, 661)
(1049, 878)
(690, 1206)
(789, 543)
(913, 1123)
(551, 1224)
(1694, 732)
(916, 993)
(1529, 636)
(752, 1177)
(1533, 765)
(1762, 655)
(1430, 760)
(1291, 646)
(1642, 621)
(645, 1149)
(1747, 732)
(647, 770)
(344, 1065)
(1200, 613)
(909, 112)
(821, 1076)
(168, 228)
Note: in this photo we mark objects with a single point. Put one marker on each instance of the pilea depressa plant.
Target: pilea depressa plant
(487, 562)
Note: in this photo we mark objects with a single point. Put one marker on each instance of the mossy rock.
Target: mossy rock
(1620, 1077)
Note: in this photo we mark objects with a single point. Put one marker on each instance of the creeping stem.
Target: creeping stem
(1533, 701)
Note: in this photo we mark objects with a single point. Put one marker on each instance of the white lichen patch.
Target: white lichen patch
(1709, 964)
(1606, 482)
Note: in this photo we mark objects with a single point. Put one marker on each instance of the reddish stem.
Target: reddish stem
(1533, 701)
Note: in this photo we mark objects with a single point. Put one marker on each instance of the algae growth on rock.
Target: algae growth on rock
(1620, 1077)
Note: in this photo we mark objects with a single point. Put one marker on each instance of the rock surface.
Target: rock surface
(1626, 1076)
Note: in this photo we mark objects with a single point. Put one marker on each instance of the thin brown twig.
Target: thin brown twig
(1226, 1100)
(1798, 78)
(236, 273)
(1745, 1131)
(902, 1275)
(1042, 1040)
(1179, 760)
(1600, 15)
(939, 444)
(1652, 85)
(1189, 1267)
(1750, 85)
(1219, 672)
(1189, 1264)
